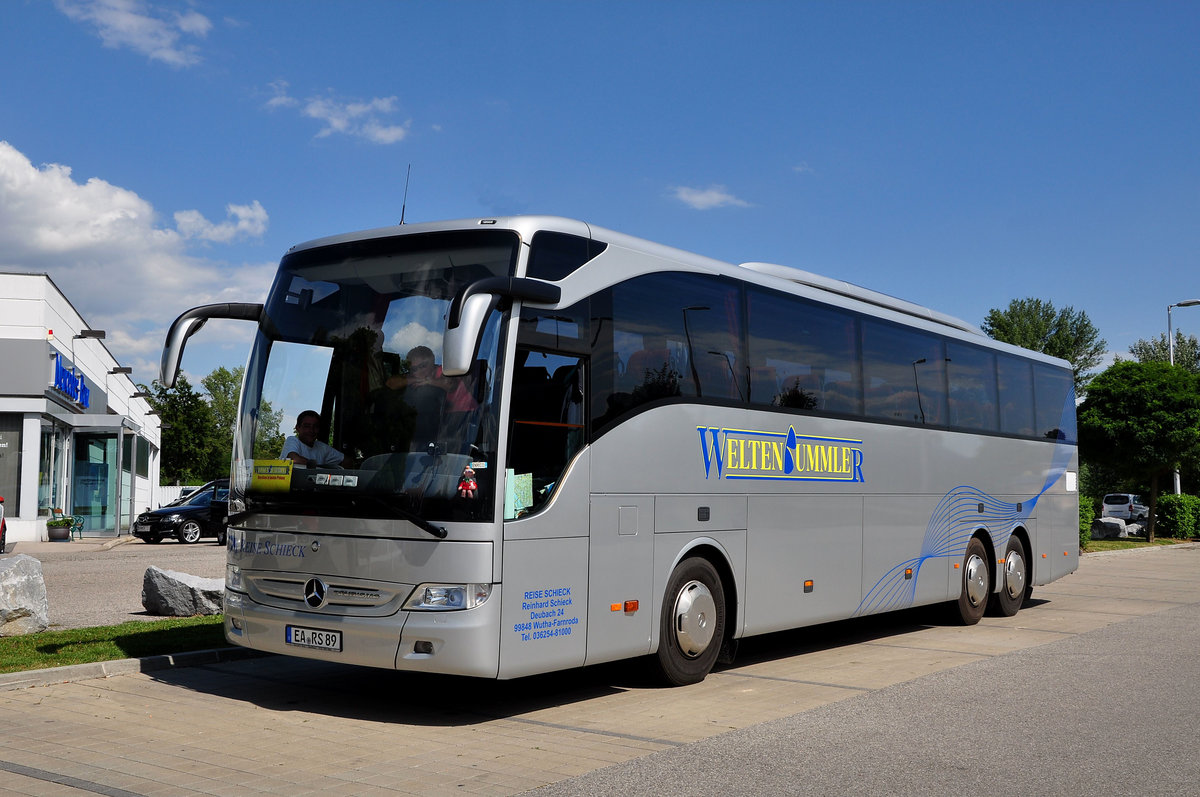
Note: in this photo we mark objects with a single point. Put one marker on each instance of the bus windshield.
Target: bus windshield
(345, 411)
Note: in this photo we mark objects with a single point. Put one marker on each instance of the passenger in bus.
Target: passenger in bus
(421, 395)
(305, 449)
(460, 392)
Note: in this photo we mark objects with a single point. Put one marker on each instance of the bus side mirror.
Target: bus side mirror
(188, 324)
(470, 309)
(461, 343)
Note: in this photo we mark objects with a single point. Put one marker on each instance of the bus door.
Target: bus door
(547, 486)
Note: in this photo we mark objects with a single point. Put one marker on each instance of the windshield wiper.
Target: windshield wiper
(412, 517)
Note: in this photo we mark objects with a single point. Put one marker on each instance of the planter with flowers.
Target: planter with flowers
(58, 528)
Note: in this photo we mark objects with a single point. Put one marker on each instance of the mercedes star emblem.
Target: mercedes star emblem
(314, 593)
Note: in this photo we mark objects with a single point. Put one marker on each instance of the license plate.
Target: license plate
(313, 638)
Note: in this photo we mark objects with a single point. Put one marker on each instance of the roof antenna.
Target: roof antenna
(404, 204)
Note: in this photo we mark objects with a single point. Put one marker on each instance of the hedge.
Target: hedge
(1087, 514)
(1178, 516)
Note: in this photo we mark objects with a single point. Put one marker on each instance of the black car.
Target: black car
(200, 513)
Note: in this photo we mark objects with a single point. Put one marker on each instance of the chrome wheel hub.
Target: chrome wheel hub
(976, 580)
(695, 618)
(1014, 575)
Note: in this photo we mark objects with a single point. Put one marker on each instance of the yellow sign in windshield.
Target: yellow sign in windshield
(271, 475)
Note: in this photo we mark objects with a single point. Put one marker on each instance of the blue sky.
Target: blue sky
(159, 155)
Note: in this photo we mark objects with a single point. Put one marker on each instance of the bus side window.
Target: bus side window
(972, 376)
(677, 335)
(808, 351)
(904, 374)
(1054, 394)
(548, 414)
(1015, 379)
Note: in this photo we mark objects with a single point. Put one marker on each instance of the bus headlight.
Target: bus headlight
(447, 597)
(233, 578)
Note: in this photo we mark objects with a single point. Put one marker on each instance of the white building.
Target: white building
(75, 434)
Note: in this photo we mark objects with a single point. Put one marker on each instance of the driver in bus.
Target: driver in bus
(305, 449)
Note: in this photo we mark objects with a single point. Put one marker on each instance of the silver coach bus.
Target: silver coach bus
(560, 445)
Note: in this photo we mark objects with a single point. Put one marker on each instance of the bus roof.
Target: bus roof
(526, 226)
(852, 291)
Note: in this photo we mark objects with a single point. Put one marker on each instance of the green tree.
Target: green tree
(1066, 333)
(189, 444)
(1187, 351)
(268, 439)
(224, 388)
(1139, 420)
(1187, 355)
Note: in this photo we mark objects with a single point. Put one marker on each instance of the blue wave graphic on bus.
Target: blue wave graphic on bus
(951, 527)
(955, 520)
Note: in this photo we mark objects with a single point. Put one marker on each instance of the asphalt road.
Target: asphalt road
(87, 586)
(1111, 712)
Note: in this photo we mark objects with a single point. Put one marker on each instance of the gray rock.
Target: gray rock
(1108, 528)
(24, 608)
(171, 594)
(1115, 528)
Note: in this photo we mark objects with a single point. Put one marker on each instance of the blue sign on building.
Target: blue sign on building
(71, 383)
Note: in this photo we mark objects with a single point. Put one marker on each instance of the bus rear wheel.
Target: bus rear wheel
(1012, 592)
(692, 623)
(976, 583)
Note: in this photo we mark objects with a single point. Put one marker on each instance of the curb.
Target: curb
(91, 545)
(107, 669)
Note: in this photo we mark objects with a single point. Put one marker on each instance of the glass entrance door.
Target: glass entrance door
(94, 488)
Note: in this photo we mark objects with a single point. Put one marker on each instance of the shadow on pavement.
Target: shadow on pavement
(285, 683)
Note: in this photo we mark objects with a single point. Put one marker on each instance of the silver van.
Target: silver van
(1124, 505)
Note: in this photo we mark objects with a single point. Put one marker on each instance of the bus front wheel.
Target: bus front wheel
(692, 624)
(976, 583)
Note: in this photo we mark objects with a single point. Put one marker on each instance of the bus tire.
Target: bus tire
(976, 583)
(692, 623)
(1012, 592)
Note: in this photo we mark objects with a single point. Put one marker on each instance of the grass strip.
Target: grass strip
(1095, 546)
(132, 640)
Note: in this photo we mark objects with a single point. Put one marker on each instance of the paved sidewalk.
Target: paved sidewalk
(85, 545)
(287, 726)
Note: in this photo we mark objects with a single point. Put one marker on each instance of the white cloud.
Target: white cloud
(280, 98)
(249, 221)
(414, 334)
(802, 168)
(134, 24)
(715, 196)
(353, 118)
(194, 23)
(105, 249)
